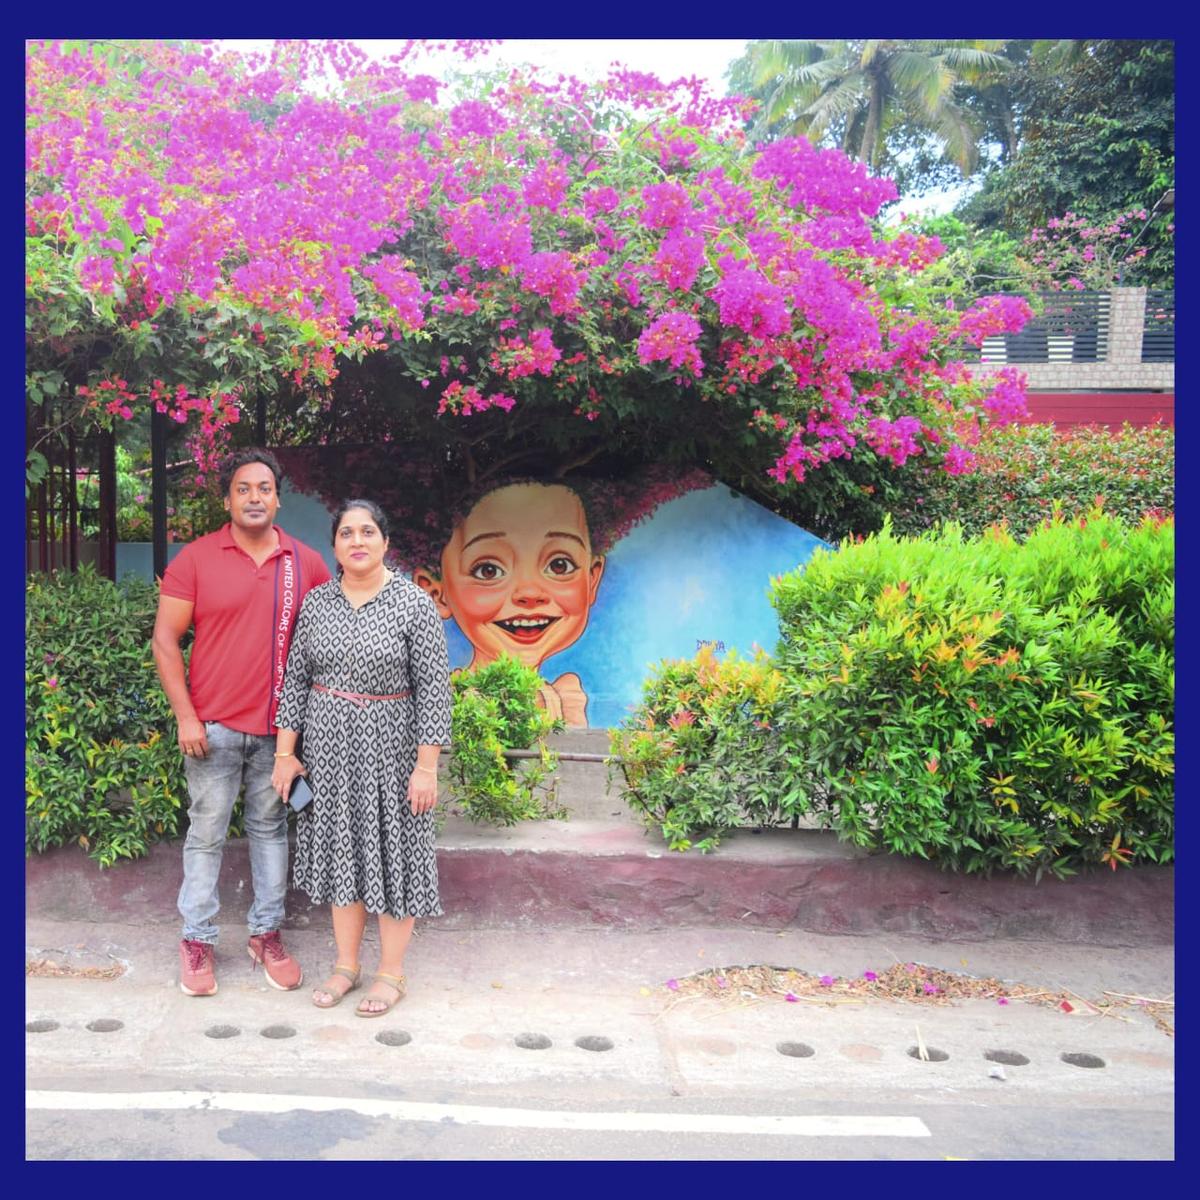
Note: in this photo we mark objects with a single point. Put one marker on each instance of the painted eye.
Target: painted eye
(561, 566)
(486, 571)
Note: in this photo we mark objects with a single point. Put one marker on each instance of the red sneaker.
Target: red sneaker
(283, 971)
(196, 974)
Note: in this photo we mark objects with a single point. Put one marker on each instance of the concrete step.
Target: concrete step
(596, 874)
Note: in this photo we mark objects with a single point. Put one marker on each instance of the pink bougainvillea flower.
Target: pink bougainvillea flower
(791, 998)
(673, 984)
(930, 990)
(398, 212)
(870, 976)
(1001, 999)
(827, 981)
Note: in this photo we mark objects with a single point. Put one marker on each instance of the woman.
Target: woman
(367, 683)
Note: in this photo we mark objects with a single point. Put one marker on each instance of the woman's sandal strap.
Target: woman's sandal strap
(395, 981)
(346, 973)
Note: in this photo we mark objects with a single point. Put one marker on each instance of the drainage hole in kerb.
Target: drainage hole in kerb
(106, 1025)
(278, 1031)
(795, 1049)
(539, 1041)
(1009, 1058)
(43, 1026)
(393, 1037)
(222, 1031)
(1083, 1060)
(594, 1043)
(934, 1055)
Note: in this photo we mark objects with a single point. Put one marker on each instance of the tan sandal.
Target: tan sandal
(396, 983)
(353, 974)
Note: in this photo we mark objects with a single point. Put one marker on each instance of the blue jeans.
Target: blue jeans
(234, 759)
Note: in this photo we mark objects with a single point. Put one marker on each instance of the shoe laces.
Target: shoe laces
(197, 953)
(272, 944)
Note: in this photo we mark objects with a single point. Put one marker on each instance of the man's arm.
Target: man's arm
(172, 622)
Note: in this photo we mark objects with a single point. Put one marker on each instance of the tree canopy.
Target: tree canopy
(1096, 137)
(503, 270)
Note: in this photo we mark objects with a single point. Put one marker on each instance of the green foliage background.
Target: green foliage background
(102, 767)
(983, 702)
(495, 709)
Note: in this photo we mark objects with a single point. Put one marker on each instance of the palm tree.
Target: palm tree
(859, 91)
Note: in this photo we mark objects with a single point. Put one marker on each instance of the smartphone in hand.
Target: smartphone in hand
(300, 797)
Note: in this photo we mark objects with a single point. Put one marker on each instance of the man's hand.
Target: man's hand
(192, 739)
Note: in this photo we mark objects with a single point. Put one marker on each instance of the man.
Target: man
(241, 589)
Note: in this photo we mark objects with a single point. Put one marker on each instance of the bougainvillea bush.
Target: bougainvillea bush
(503, 269)
(986, 702)
(1024, 473)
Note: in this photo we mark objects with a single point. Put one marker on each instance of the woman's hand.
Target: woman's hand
(284, 775)
(422, 789)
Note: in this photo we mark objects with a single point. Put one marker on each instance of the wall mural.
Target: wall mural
(588, 580)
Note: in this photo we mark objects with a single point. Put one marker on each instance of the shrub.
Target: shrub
(702, 754)
(495, 709)
(988, 703)
(101, 767)
(1024, 471)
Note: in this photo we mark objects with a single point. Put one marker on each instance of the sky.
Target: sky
(588, 58)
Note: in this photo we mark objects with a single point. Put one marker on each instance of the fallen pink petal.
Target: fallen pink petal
(673, 984)
(791, 999)
(1002, 1000)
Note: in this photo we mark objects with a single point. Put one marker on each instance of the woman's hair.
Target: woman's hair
(377, 515)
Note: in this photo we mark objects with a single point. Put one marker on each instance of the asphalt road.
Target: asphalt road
(971, 1127)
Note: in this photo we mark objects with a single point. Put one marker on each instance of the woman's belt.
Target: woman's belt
(360, 698)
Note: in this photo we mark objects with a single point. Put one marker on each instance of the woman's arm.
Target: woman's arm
(429, 673)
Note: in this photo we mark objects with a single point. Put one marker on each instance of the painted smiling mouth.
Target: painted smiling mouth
(526, 629)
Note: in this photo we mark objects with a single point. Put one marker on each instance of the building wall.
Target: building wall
(1123, 388)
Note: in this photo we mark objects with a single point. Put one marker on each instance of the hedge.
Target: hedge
(982, 702)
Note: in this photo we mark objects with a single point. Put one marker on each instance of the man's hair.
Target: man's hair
(243, 458)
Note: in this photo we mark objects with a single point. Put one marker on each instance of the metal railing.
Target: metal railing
(1158, 328)
(1073, 327)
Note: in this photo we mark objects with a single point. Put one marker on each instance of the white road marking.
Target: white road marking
(817, 1125)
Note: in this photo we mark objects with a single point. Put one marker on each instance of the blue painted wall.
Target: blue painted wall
(696, 571)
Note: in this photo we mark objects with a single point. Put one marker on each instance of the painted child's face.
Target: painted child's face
(519, 576)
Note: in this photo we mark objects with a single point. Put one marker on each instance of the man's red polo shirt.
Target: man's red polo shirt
(243, 617)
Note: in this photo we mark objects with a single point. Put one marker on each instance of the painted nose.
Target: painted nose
(530, 591)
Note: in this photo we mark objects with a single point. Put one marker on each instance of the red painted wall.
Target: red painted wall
(1067, 409)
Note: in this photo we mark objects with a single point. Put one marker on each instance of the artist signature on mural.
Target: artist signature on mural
(717, 647)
